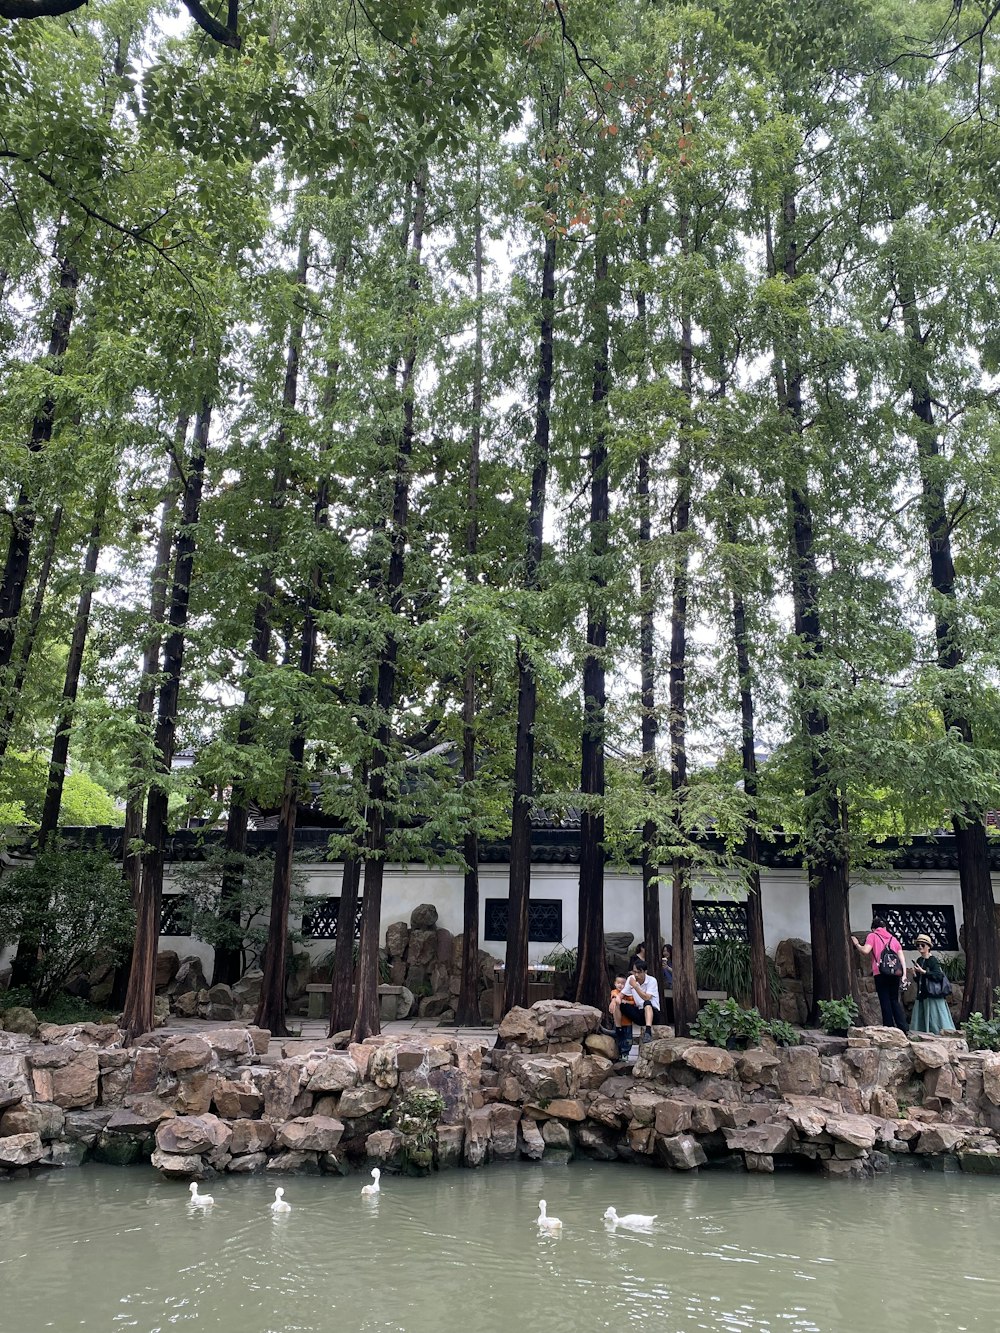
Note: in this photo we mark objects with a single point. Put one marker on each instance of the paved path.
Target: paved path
(314, 1029)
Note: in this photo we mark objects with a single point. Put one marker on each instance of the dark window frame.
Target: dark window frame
(545, 920)
(908, 920)
(329, 910)
(716, 919)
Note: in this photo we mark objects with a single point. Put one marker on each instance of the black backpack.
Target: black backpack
(889, 962)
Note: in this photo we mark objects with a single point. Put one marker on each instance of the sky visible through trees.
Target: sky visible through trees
(476, 408)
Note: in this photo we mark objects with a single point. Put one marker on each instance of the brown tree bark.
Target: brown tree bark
(467, 1013)
(146, 700)
(652, 930)
(591, 964)
(25, 515)
(71, 683)
(685, 985)
(366, 1017)
(342, 998)
(228, 962)
(26, 646)
(827, 856)
(138, 1015)
(982, 948)
(515, 989)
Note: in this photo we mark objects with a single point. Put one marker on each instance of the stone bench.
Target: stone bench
(320, 996)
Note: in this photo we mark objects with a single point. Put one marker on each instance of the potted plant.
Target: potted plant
(836, 1016)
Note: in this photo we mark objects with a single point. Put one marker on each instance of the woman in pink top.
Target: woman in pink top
(887, 984)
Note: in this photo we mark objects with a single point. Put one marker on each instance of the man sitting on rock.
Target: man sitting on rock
(640, 1003)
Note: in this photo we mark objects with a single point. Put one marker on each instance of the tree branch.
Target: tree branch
(226, 34)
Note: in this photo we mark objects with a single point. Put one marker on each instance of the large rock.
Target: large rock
(682, 1152)
(167, 965)
(853, 1129)
(85, 1126)
(251, 1136)
(20, 1150)
(281, 1086)
(190, 977)
(176, 1166)
(709, 1060)
(793, 960)
(76, 1084)
(236, 1098)
(383, 1145)
(757, 1066)
(180, 1053)
(930, 1055)
(186, 1134)
(233, 1043)
(672, 1116)
(334, 1074)
(396, 937)
(563, 1020)
(383, 1070)
(799, 1071)
(424, 917)
(317, 1133)
(14, 1086)
(141, 1118)
(532, 1143)
(771, 1138)
(422, 948)
(255, 1161)
(247, 989)
(601, 1044)
(362, 1100)
(519, 1028)
(19, 1019)
(41, 1118)
(991, 1077)
(940, 1139)
(195, 1091)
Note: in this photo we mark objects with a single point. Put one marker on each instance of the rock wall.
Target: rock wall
(198, 1105)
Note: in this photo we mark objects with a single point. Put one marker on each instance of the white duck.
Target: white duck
(200, 1200)
(279, 1205)
(545, 1223)
(369, 1191)
(633, 1221)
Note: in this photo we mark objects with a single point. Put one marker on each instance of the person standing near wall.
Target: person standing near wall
(888, 969)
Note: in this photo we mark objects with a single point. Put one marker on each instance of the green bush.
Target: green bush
(562, 959)
(720, 1020)
(836, 1015)
(783, 1033)
(725, 965)
(75, 904)
(983, 1034)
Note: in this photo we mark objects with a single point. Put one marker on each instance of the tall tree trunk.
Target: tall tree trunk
(591, 965)
(25, 516)
(26, 645)
(138, 1016)
(366, 1017)
(25, 961)
(685, 983)
(515, 989)
(146, 700)
(760, 990)
(828, 867)
(981, 944)
(652, 930)
(467, 1013)
(228, 964)
(71, 683)
(342, 998)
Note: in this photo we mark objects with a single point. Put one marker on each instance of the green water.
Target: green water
(109, 1250)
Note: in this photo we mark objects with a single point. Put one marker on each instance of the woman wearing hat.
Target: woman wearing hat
(931, 1012)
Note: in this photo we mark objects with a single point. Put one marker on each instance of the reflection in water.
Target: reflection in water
(105, 1249)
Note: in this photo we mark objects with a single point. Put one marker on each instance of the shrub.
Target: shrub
(562, 959)
(836, 1015)
(783, 1033)
(954, 968)
(725, 965)
(416, 1116)
(76, 906)
(720, 1020)
(983, 1034)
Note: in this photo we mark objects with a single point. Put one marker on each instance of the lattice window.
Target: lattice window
(716, 920)
(320, 923)
(175, 914)
(544, 920)
(907, 922)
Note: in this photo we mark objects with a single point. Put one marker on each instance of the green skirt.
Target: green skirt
(931, 1016)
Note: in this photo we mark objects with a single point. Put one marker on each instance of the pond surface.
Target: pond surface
(120, 1249)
